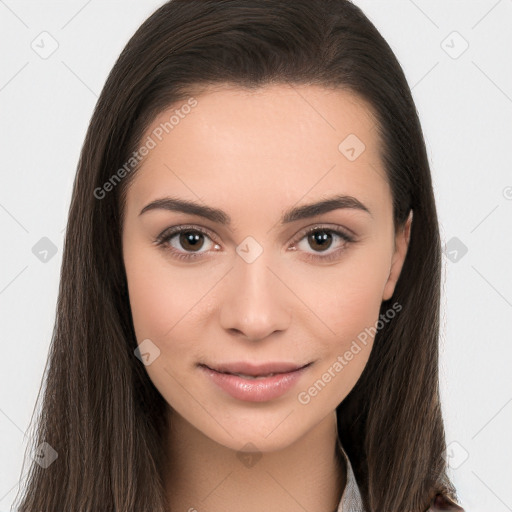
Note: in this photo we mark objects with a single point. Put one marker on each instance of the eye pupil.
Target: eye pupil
(322, 238)
(191, 240)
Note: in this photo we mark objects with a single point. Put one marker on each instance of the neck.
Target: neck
(202, 475)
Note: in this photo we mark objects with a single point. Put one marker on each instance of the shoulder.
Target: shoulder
(443, 502)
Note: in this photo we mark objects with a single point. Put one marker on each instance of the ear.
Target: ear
(401, 245)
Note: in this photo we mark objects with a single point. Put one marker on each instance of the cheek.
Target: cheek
(162, 303)
(149, 300)
(169, 304)
(160, 296)
(347, 297)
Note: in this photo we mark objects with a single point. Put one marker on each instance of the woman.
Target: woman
(248, 314)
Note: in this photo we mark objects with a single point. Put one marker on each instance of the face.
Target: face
(249, 275)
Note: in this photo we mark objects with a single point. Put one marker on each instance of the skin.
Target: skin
(255, 155)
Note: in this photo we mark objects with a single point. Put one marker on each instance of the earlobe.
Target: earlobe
(401, 245)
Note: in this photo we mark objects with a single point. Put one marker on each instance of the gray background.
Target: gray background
(464, 98)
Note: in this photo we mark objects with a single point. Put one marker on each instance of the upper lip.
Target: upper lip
(256, 370)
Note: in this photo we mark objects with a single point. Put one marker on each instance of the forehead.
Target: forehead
(282, 142)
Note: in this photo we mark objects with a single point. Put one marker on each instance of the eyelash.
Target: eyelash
(167, 235)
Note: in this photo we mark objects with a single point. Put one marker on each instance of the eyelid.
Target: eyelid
(174, 230)
(344, 233)
(304, 231)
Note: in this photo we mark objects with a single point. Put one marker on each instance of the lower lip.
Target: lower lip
(255, 390)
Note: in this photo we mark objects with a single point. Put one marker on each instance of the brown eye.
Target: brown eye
(184, 242)
(191, 240)
(323, 244)
(320, 240)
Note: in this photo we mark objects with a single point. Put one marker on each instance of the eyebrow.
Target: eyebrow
(294, 214)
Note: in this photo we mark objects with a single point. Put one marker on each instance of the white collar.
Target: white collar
(351, 498)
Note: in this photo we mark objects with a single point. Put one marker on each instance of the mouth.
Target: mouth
(250, 371)
(251, 383)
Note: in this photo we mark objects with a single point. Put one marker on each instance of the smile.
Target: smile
(254, 386)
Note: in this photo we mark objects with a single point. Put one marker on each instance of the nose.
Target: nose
(255, 302)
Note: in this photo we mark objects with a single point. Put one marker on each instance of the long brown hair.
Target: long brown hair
(100, 411)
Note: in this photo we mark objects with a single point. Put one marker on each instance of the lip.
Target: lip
(255, 370)
(261, 389)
